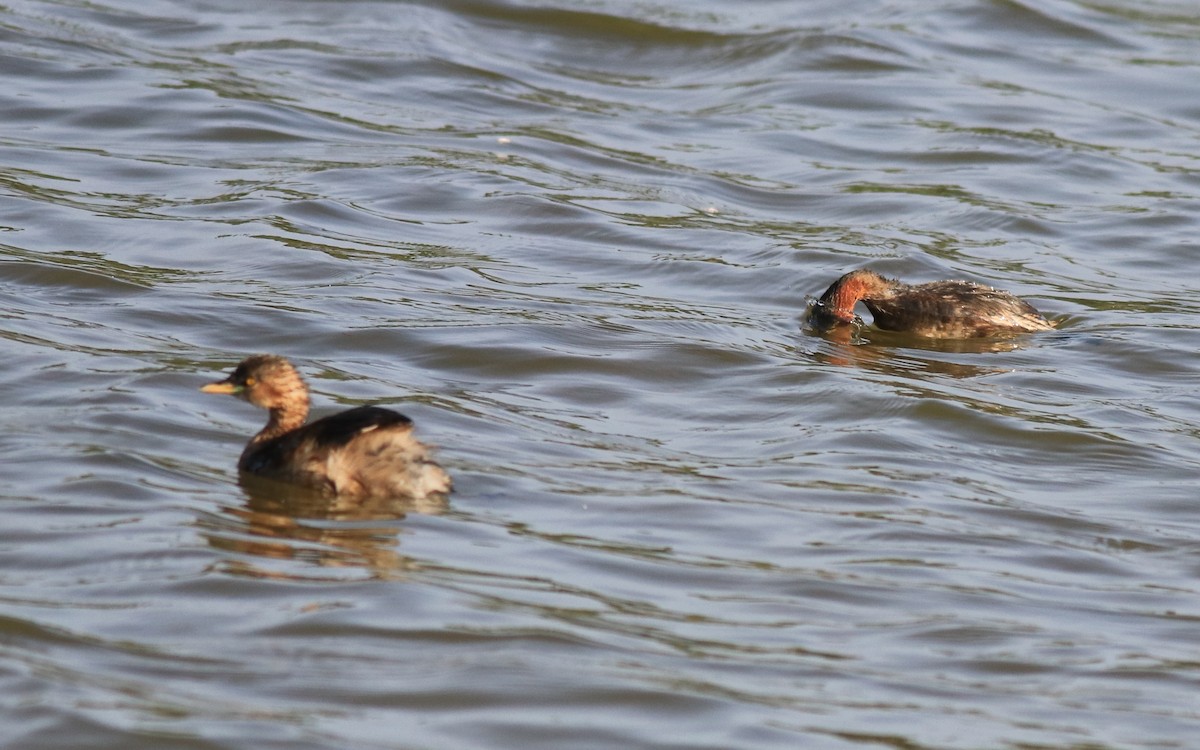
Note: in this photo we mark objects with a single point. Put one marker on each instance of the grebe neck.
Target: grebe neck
(282, 420)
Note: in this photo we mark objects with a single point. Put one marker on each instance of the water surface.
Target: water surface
(574, 241)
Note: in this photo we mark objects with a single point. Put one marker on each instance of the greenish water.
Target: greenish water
(574, 242)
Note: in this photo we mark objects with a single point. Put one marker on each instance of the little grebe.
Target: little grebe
(938, 309)
(364, 452)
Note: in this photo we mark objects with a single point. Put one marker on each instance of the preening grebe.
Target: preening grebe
(938, 309)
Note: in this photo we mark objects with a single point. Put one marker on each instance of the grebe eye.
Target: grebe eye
(250, 381)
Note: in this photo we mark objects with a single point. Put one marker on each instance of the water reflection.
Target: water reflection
(284, 522)
(868, 347)
(270, 496)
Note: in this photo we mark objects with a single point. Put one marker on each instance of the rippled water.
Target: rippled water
(574, 240)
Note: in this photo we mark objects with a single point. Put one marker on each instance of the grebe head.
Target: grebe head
(836, 305)
(267, 381)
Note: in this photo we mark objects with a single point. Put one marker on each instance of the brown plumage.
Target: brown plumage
(364, 452)
(938, 309)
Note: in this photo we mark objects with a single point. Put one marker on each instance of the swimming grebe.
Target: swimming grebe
(938, 309)
(364, 452)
